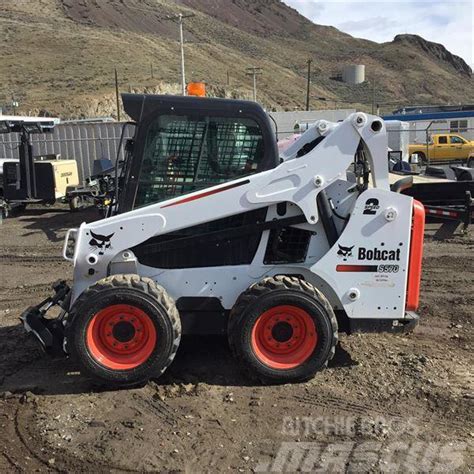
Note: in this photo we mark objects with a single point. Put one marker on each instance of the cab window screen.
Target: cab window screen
(184, 154)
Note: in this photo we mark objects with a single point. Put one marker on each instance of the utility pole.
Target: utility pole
(373, 96)
(117, 95)
(14, 104)
(180, 17)
(254, 71)
(151, 70)
(308, 83)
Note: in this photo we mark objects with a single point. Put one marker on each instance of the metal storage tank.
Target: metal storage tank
(353, 73)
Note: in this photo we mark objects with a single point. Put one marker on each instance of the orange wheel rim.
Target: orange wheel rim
(284, 337)
(121, 337)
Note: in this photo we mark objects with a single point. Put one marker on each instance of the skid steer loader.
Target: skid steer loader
(218, 234)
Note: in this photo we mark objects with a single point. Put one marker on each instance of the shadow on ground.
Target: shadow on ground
(55, 221)
(204, 359)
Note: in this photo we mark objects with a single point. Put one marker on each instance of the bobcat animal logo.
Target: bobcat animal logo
(101, 242)
(345, 251)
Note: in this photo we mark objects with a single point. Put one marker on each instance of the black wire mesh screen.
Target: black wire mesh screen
(287, 245)
(184, 154)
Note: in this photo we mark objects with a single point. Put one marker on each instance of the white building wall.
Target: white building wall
(398, 134)
(420, 128)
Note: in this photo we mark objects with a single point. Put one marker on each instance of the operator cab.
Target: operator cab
(184, 144)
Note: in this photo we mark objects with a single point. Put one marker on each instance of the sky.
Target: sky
(449, 22)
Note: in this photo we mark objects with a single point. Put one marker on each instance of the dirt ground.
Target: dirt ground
(386, 403)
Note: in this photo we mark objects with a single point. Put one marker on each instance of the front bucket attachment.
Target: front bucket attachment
(49, 332)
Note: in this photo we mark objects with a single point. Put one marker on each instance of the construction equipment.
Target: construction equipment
(98, 190)
(445, 192)
(218, 234)
(30, 179)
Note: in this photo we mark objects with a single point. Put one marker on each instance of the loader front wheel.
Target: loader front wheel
(282, 330)
(123, 330)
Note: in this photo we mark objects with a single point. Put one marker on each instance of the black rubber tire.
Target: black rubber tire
(271, 292)
(141, 292)
(75, 204)
(18, 209)
(423, 159)
(470, 162)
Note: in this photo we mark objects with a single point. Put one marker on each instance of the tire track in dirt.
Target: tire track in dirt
(159, 408)
(13, 258)
(36, 288)
(21, 438)
(339, 404)
(64, 462)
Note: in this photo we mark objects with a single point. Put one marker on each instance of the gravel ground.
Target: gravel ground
(386, 402)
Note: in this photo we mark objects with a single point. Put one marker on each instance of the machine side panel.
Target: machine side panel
(368, 265)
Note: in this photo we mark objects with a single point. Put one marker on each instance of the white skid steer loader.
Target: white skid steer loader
(214, 233)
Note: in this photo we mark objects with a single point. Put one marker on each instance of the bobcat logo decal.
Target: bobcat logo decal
(100, 242)
(345, 251)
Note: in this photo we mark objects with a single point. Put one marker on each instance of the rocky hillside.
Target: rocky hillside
(437, 51)
(59, 56)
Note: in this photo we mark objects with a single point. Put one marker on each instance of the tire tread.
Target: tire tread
(142, 284)
(268, 285)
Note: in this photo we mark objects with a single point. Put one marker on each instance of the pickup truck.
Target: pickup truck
(444, 147)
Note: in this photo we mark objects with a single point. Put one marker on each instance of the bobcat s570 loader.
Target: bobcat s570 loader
(217, 234)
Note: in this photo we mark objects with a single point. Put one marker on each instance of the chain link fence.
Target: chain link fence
(86, 142)
(83, 142)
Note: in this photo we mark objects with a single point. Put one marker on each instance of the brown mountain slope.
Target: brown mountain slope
(59, 56)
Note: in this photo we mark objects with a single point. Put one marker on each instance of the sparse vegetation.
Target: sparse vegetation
(60, 55)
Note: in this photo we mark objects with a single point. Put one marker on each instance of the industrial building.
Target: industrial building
(426, 120)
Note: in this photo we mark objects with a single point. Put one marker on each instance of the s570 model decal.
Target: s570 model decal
(368, 268)
(373, 254)
(388, 268)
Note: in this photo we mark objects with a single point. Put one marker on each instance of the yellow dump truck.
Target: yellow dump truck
(444, 147)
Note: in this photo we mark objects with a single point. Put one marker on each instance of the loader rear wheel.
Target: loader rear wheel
(423, 159)
(123, 330)
(282, 330)
(76, 203)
